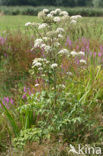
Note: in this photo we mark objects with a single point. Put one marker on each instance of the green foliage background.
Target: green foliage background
(71, 3)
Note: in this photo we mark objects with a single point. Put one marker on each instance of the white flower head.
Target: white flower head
(53, 12)
(56, 19)
(42, 26)
(63, 51)
(38, 43)
(54, 65)
(47, 48)
(75, 17)
(56, 44)
(83, 61)
(73, 22)
(45, 10)
(45, 38)
(41, 14)
(74, 53)
(38, 40)
(40, 68)
(58, 10)
(50, 16)
(64, 13)
(37, 84)
(60, 36)
(43, 46)
(28, 24)
(59, 30)
(37, 64)
(81, 53)
(36, 60)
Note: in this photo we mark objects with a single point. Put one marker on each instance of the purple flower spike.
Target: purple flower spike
(3, 102)
(30, 93)
(11, 101)
(99, 54)
(6, 99)
(24, 96)
(95, 54)
(24, 89)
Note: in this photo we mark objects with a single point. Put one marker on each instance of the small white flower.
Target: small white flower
(57, 19)
(40, 69)
(50, 16)
(64, 18)
(83, 61)
(53, 12)
(54, 65)
(74, 53)
(75, 17)
(73, 22)
(43, 46)
(37, 84)
(50, 33)
(38, 64)
(79, 16)
(64, 13)
(59, 30)
(41, 14)
(45, 10)
(81, 53)
(42, 26)
(58, 10)
(47, 48)
(38, 43)
(37, 60)
(38, 40)
(28, 24)
(45, 38)
(63, 51)
(56, 44)
(60, 36)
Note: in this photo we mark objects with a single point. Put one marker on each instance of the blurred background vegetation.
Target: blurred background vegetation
(70, 3)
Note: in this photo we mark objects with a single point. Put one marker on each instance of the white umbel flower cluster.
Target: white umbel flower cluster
(63, 51)
(64, 13)
(57, 11)
(54, 65)
(60, 36)
(74, 53)
(59, 30)
(81, 53)
(28, 24)
(75, 17)
(73, 22)
(50, 16)
(38, 62)
(83, 61)
(56, 19)
(45, 10)
(38, 43)
(42, 26)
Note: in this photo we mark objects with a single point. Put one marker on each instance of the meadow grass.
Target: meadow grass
(18, 22)
(15, 22)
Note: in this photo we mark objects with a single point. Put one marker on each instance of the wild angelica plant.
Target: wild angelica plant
(51, 34)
